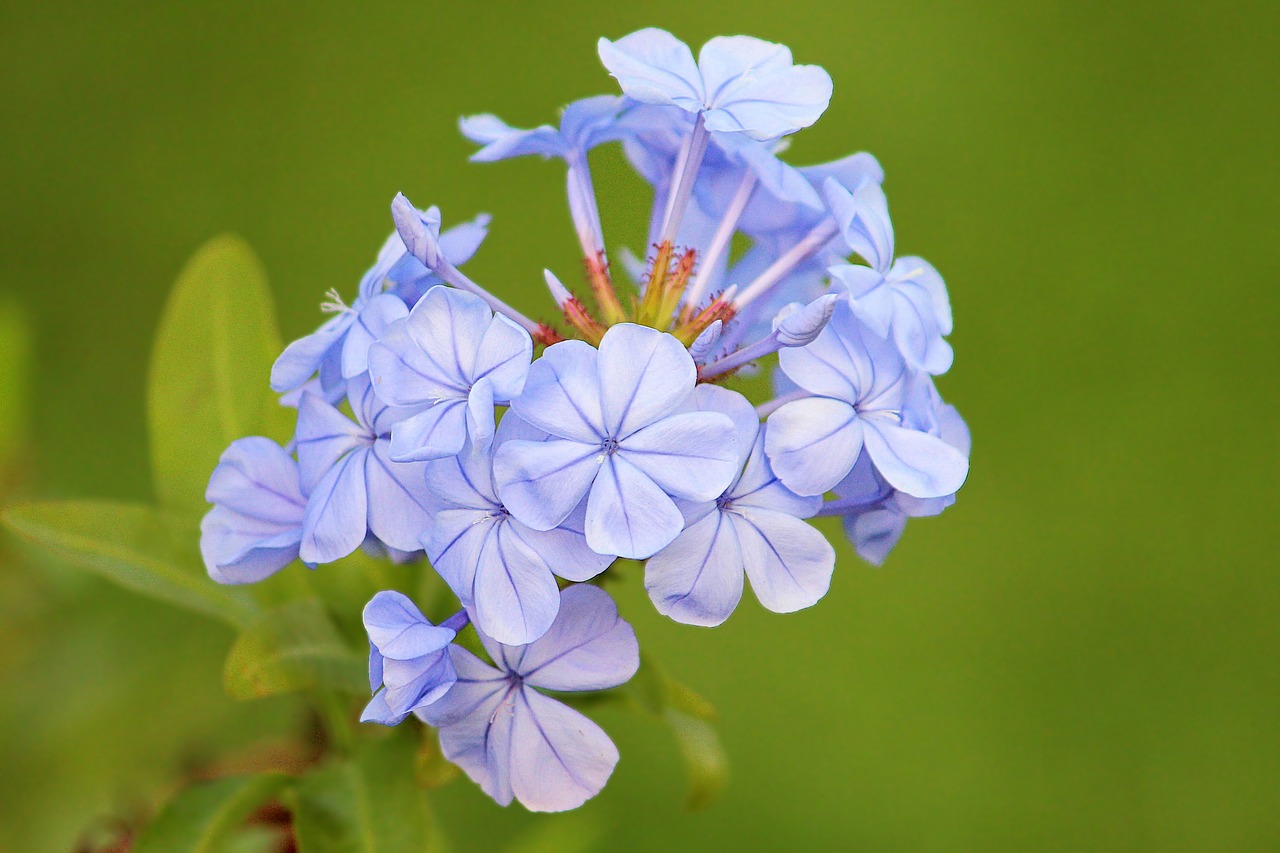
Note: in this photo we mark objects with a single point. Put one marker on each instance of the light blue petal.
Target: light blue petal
(693, 456)
(403, 375)
(399, 508)
(751, 86)
(644, 376)
(914, 462)
(588, 647)
(502, 357)
(759, 487)
(628, 514)
(377, 711)
(867, 295)
(541, 482)
(301, 359)
(437, 433)
(240, 549)
(875, 533)
(337, 512)
(449, 326)
(480, 415)
(746, 423)
(324, 435)
(474, 719)
(788, 561)
(375, 668)
(399, 631)
(256, 477)
(417, 683)
(920, 271)
(849, 172)
(559, 758)
(370, 324)
(813, 443)
(516, 597)
(461, 242)
(565, 548)
(953, 429)
(562, 393)
(654, 67)
(454, 544)
(501, 141)
(697, 579)
(863, 218)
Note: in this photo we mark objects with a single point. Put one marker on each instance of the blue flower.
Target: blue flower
(458, 359)
(874, 513)
(338, 350)
(621, 436)
(739, 83)
(904, 300)
(583, 125)
(860, 389)
(517, 743)
(255, 526)
(409, 663)
(355, 488)
(503, 571)
(754, 527)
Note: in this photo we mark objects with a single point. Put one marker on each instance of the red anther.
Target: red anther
(546, 335)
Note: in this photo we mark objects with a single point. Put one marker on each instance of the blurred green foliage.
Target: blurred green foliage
(1080, 654)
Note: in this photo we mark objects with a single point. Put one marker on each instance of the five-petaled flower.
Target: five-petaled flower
(621, 435)
(514, 741)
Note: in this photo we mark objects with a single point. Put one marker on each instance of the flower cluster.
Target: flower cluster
(523, 458)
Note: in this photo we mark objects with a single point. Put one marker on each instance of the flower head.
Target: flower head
(517, 743)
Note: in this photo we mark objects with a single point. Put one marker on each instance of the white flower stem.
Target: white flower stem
(784, 265)
(683, 177)
(452, 275)
(721, 239)
(734, 360)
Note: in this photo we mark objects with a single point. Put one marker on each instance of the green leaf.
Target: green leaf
(210, 369)
(202, 815)
(293, 647)
(138, 547)
(691, 720)
(368, 804)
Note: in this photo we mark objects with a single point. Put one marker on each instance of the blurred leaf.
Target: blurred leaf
(691, 719)
(293, 647)
(432, 769)
(15, 356)
(567, 833)
(200, 816)
(135, 546)
(367, 804)
(210, 369)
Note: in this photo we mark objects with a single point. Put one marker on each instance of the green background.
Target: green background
(1081, 654)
